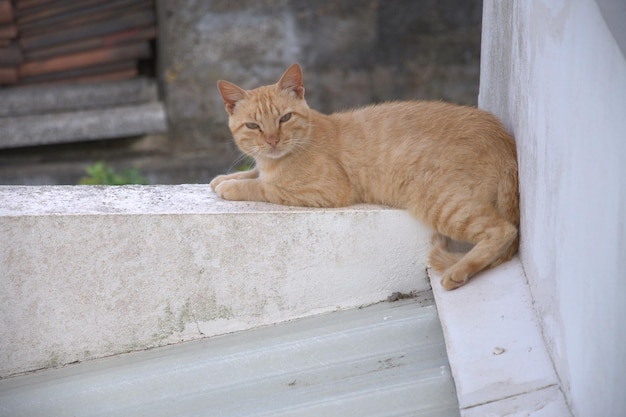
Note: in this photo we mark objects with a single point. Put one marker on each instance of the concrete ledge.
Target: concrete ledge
(75, 126)
(89, 272)
(31, 100)
(495, 347)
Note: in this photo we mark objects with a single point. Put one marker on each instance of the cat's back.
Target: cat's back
(423, 117)
(430, 145)
(425, 128)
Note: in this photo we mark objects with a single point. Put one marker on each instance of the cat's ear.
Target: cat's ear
(292, 80)
(231, 94)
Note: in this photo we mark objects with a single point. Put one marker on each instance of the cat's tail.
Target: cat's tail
(507, 199)
(507, 204)
(440, 258)
(507, 255)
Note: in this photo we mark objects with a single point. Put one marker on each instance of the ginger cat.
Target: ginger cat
(452, 167)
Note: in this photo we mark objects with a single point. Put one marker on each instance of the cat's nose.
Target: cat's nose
(272, 141)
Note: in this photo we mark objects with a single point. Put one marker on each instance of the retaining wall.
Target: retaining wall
(88, 272)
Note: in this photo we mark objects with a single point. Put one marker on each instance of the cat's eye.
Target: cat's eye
(286, 117)
(252, 125)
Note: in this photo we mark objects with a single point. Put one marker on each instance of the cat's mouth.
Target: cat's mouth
(275, 153)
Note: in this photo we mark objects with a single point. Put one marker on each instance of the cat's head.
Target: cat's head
(270, 121)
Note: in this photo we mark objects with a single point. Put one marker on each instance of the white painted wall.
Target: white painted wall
(553, 71)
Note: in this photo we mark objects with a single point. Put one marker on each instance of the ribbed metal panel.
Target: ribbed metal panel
(384, 360)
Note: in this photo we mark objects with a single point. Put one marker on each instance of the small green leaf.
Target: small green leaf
(101, 174)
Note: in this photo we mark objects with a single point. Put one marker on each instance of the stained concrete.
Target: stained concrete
(89, 272)
(383, 360)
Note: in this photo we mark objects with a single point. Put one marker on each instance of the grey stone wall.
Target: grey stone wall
(353, 53)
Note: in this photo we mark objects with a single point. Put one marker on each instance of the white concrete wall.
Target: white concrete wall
(87, 272)
(554, 73)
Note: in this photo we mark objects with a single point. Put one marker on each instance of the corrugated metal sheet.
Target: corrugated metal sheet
(384, 360)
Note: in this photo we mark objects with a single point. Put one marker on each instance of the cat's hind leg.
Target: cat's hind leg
(495, 241)
(508, 254)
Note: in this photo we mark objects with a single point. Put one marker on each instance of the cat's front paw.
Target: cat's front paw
(217, 181)
(230, 189)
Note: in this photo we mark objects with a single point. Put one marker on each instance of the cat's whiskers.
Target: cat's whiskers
(239, 159)
(299, 145)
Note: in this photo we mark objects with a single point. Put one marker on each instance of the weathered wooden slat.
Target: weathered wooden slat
(122, 74)
(10, 56)
(118, 38)
(26, 4)
(52, 9)
(6, 11)
(74, 41)
(8, 31)
(86, 59)
(8, 75)
(122, 22)
(83, 16)
(80, 72)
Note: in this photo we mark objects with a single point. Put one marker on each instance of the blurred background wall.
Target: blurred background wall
(353, 53)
